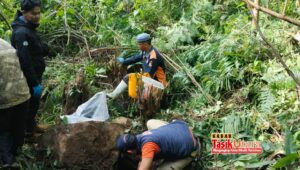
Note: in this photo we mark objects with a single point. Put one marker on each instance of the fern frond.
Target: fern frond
(266, 101)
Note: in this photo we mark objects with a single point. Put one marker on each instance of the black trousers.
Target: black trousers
(34, 104)
(12, 126)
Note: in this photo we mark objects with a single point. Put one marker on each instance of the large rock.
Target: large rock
(123, 121)
(88, 145)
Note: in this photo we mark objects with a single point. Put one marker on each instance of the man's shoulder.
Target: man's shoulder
(156, 52)
(21, 30)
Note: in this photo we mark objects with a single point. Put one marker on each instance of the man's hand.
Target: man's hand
(37, 90)
(145, 164)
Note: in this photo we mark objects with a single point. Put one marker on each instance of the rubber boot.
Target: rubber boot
(119, 90)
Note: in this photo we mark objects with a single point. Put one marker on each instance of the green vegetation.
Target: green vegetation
(255, 99)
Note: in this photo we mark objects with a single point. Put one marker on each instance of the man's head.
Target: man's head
(144, 41)
(126, 142)
(31, 10)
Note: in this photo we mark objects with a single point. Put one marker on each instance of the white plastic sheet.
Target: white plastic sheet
(149, 81)
(95, 109)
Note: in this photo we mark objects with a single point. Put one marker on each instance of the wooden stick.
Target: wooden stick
(191, 76)
(87, 47)
(172, 61)
(167, 59)
(285, 6)
(108, 48)
(66, 21)
(256, 15)
(272, 13)
(177, 67)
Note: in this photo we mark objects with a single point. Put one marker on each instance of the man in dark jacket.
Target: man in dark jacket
(31, 52)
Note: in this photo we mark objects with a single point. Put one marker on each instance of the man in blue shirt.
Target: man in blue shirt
(173, 142)
(153, 64)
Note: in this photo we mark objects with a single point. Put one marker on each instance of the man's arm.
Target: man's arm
(136, 58)
(145, 164)
(148, 152)
(22, 46)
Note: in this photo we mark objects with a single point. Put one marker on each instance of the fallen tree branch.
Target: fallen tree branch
(69, 32)
(256, 15)
(272, 13)
(108, 48)
(274, 51)
(66, 21)
(170, 62)
(177, 67)
(87, 46)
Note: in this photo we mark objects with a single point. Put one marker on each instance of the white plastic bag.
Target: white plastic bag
(149, 81)
(95, 109)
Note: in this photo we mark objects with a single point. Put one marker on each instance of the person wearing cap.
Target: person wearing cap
(177, 148)
(31, 51)
(153, 64)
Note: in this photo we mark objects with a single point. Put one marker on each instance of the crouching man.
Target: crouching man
(153, 67)
(173, 143)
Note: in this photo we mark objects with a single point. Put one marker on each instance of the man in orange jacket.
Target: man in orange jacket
(153, 64)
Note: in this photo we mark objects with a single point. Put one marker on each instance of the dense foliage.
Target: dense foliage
(212, 40)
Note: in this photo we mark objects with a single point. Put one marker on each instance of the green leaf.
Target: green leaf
(65, 121)
(289, 144)
(259, 164)
(71, 11)
(283, 162)
(239, 164)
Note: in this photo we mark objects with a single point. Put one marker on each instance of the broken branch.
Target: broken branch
(272, 13)
(177, 67)
(274, 51)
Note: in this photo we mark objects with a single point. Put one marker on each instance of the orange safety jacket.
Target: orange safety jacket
(153, 64)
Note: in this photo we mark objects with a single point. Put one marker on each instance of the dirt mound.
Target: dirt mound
(88, 145)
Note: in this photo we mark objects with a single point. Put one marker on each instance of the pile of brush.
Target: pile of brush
(149, 98)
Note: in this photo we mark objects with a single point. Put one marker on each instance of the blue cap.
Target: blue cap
(126, 142)
(143, 37)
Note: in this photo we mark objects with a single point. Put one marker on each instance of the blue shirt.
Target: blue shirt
(152, 61)
(175, 140)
